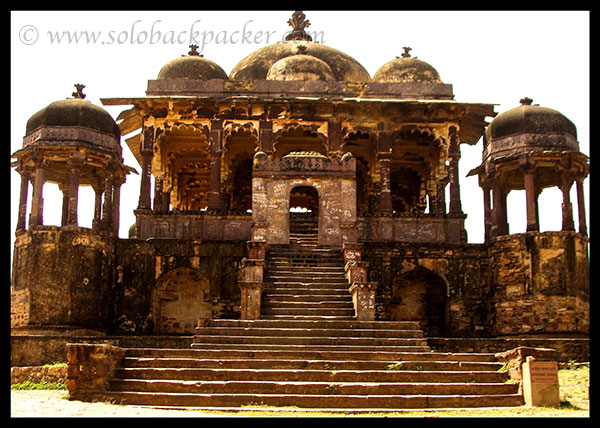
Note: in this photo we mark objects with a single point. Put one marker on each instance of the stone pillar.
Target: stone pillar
(65, 204)
(36, 217)
(251, 294)
(454, 157)
(107, 207)
(214, 194)
(567, 208)
(334, 137)
(147, 152)
(384, 156)
(22, 216)
(533, 224)
(363, 298)
(500, 224)
(157, 200)
(487, 212)
(116, 202)
(581, 207)
(385, 184)
(97, 221)
(265, 136)
(75, 163)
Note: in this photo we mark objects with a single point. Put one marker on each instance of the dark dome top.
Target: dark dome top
(407, 69)
(74, 112)
(300, 67)
(193, 66)
(256, 66)
(529, 118)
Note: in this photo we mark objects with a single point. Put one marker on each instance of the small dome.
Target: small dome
(407, 69)
(192, 66)
(531, 119)
(300, 67)
(74, 112)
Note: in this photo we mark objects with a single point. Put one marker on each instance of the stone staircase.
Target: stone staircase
(307, 350)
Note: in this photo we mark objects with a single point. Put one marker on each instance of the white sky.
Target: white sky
(490, 57)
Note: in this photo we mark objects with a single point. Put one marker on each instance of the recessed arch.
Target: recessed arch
(180, 298)
(420, 295)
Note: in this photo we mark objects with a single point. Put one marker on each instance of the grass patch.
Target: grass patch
(30, 386)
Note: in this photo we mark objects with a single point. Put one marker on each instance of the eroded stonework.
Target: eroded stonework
(373, 164)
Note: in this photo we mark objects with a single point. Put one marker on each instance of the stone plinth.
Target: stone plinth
(363, 298)
(540, 383)
(251, 293)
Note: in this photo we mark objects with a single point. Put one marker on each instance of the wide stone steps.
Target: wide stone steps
(307, 350)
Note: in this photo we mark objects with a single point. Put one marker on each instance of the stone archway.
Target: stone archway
(181, 298)
(420, 295)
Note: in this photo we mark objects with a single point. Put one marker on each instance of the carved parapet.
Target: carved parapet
(356, 272)
(251, 293)
(363, 298)
(257, 250)
(306, 162)
(352, 252)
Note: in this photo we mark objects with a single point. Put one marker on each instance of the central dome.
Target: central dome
(300, 67)
(256, 66)
(343, 67)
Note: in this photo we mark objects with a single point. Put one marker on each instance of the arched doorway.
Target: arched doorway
(304, 210)
(420, 295)
(181, 297)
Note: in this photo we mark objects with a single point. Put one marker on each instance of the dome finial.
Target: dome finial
(194, 51)
(526, 101)
(79, 94)
(298, 22)
(406, 53)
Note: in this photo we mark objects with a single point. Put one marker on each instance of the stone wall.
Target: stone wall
(62, 276)
(541, 283)
(144, 266)
(38, 374)
(460, 304)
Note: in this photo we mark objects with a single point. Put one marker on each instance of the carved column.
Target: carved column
(581, 207)
(75, 163)
(500, 223)
(107, 207)
(116, 202)
(146, 151)
(454, 157)
(36, 217)
(567, 208)
(487, 212)
(265, 136)
(97, 221)
(65, 204)
(158, 195)
(385, 184)
(214, 195)
(533, 224)
(22, 216)
(334, 138)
